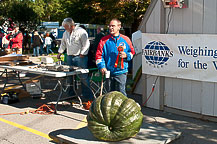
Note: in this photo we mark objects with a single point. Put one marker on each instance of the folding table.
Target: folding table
(44, 72)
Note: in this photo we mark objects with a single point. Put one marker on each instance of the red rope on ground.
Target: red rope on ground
(43, 110)
(87, 105)
(10, 113)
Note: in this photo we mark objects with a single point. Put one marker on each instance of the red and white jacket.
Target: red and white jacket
(107, 53)
(17, 40)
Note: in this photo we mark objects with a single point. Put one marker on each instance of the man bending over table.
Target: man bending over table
(76, 43)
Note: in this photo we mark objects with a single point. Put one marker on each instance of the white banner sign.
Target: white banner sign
(187, 56)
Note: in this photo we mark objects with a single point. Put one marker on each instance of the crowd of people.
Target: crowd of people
(110, 53)
(34, 43)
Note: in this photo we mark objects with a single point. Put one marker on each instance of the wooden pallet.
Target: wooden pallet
(14, 58)
(14, 63)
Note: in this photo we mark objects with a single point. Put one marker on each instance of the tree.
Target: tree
(80, 10)
(52, 10)
(32, 12)
(38, 7)
(130, 12)
(5, 6)
(22, 13)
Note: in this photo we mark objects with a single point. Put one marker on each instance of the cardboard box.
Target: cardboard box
(33, 87)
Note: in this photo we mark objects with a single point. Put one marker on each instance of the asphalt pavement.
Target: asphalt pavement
(40, 129)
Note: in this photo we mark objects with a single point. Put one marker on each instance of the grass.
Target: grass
(54, 57)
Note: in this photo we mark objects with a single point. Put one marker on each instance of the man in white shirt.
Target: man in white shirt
(76, 43)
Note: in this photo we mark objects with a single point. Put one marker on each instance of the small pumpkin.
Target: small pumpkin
(114, 117)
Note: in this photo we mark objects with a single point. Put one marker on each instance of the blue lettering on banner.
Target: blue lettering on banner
(183, 64)
(157, 53)
(200, 65)
(215, 64)
(195, 52)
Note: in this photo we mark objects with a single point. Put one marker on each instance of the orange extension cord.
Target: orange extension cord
(46, 109)
(87, 105)
(43, 110)
(152, 91)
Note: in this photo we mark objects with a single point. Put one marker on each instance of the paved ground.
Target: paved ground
(194, 131)
(34, 128)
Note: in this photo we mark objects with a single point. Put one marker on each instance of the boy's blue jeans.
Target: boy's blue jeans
(49, 49)
(36, 51)
(118, 83)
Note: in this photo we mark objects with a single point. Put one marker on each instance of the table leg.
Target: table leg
(76, 94)
(60, 94)
(64, 90)
(18, 75)
(6, 79)
(5, 82)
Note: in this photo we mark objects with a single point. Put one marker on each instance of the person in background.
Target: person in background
(99, 36)
(82, 26)
(47, 43)
(53, 43)
(93, 47)
(113, 54)
(75, 41)
(36, 44)
(5, 42)
(25, 41)
(16, 40)
(42, 44)
(29, 42)
(1, 37)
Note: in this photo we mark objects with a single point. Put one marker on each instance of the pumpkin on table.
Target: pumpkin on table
(114, 117)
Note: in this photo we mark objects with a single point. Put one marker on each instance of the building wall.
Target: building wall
(195, 96)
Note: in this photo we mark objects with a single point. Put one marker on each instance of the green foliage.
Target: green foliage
(22, 13)
(80, 10)
(38, 7)
(130, 12)
(56, 60)
(31, 12)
